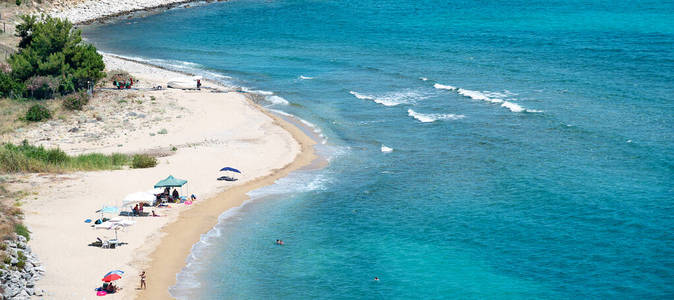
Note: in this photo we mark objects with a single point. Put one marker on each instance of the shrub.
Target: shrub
(37, 113)
(76, 101)
(9, 87)
(143, 161)
(42, 87)
(18, 2)
(119, 75)
(20, 264)
(66, 85)
(22, 230)
(163, 131)
(6, 259)
(51, 47)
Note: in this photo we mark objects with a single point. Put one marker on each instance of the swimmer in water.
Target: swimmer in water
(376, 279)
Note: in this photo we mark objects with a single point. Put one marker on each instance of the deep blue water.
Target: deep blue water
(554, 179)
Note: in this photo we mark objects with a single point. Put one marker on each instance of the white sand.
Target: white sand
(215, 130)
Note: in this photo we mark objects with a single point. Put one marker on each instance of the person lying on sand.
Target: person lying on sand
(154, 214)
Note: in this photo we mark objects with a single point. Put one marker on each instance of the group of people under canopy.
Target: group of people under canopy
(165, 190)
(167, 184)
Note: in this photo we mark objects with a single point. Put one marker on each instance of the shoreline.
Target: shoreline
(181, 235)
(78, 14)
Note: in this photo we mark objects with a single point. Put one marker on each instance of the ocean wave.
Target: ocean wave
(392, 98)
(487, 96)
(273, 99)
(258, 92)
(427, 118)
(305, 77)
(361, 96)
(385, 149)
(444, 87)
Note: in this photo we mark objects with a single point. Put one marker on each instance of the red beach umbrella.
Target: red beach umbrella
(111, 277)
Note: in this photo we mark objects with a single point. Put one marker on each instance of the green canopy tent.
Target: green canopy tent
(171, 182)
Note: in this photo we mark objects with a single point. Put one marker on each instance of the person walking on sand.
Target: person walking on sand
(142, 280)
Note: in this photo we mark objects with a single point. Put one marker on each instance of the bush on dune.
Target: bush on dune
(143, 161)
(51, 58)
(37, 113)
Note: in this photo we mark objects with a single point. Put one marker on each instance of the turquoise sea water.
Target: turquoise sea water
(532, 144)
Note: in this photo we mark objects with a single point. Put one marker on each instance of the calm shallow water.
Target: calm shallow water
(546, 174)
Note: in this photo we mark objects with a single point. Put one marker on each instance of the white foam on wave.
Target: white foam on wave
(361, 96)
(385, 149)
(514, 107)
(485, 96)
(444, 87)
(259, 92)
(392, 98)
(277, 100)
(428, 118)
(305, 77)
(474, 95)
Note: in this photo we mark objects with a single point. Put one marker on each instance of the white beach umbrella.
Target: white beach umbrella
(155, 191)
(110, 226)
(139, 197)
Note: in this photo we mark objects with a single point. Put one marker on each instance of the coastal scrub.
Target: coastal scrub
(52, 60)
(32, 159)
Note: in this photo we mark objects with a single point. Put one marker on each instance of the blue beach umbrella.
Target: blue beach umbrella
(109, 209)
(230, 169)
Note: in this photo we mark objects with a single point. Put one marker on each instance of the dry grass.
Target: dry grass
(10, 213)
(12, 112)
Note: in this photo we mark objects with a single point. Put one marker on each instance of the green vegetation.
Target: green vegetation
(163, 131)
(51, 60)
(22, 230)
(29, 158)
(37, 113)
(76, 101)
(143, 161)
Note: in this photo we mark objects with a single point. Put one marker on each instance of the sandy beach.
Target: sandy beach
(209, 130)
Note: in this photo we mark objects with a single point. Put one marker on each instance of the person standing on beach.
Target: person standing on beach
(142, 280)
(198, 84)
